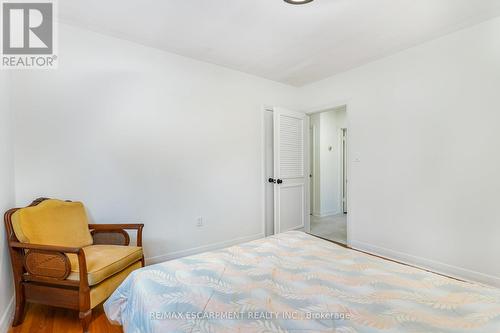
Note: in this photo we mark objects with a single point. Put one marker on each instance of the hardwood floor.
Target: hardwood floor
(45, 319)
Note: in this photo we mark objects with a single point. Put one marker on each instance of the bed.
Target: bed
(294, 282)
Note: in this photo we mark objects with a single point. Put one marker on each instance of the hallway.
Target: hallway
(333, 227)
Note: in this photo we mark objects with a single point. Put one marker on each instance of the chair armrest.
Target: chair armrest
(117, 229)
(116, 226)
(48, 248)
(49, 263)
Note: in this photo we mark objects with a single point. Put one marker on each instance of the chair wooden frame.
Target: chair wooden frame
(40, 271)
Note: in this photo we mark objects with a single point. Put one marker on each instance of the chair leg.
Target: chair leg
(20, 302)
(85, 318)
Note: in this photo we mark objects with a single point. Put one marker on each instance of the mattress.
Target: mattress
(294, 282)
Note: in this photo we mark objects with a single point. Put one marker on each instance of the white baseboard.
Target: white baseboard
(7, 316)
(200, 249)
(324, 214)
(428, 264)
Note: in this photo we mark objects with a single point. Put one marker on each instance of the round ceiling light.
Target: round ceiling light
(298, 2)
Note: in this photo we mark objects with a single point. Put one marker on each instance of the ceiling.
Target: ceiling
(291, 44)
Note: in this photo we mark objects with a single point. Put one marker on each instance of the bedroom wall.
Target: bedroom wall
(141, 135)
(6, 198)
(424, 126)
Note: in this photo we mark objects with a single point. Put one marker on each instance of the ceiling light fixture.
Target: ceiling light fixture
(298, 2)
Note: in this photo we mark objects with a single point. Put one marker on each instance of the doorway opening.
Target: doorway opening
(328, 174)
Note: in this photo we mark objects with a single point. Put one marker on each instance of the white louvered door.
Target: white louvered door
(290, 171)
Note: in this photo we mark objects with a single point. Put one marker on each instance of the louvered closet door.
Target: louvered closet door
(290, 174)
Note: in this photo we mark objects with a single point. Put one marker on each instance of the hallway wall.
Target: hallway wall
(327, 175)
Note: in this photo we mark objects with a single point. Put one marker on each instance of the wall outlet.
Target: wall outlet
(199, 221)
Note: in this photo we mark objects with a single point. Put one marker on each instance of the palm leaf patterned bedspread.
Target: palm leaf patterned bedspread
(294, 282)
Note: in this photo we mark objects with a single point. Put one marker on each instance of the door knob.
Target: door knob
(279, 181)
(272, 180)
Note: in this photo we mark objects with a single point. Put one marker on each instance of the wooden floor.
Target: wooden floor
(45, 319)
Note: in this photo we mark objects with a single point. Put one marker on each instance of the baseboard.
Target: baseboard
(7, 316)
(324, 214)
(210, 247)
(428, 264)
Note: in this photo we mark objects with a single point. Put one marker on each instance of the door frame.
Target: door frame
(345, 176)
(264, 109)
(329, 107)
(312, 167)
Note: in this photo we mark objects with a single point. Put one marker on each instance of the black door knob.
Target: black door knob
(279, 181)
(272, 180)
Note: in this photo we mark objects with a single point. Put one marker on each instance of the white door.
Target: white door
(291, 175)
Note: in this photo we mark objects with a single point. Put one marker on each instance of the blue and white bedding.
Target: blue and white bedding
(294, 282)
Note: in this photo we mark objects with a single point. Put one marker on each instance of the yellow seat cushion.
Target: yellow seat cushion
(99, 293)
(104, 261)
(53, 222)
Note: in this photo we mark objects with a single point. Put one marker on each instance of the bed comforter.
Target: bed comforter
(294, 282)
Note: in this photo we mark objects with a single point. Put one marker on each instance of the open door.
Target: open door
(291, 209)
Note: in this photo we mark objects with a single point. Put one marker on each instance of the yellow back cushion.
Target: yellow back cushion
(53, 222)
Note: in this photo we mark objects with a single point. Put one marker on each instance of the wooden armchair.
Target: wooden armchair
(60, 260)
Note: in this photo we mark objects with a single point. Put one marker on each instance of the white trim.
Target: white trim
(344, 175)
(210, 247)
(300, 228)
(263, 165)
(327, 107)
(349, 174)
(328, 213)
(307, 170)
(7, 316)
(428, 264)
(311, 158)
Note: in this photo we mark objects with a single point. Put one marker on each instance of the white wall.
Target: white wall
(6, 198)
(141, 135)
(424, 125)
